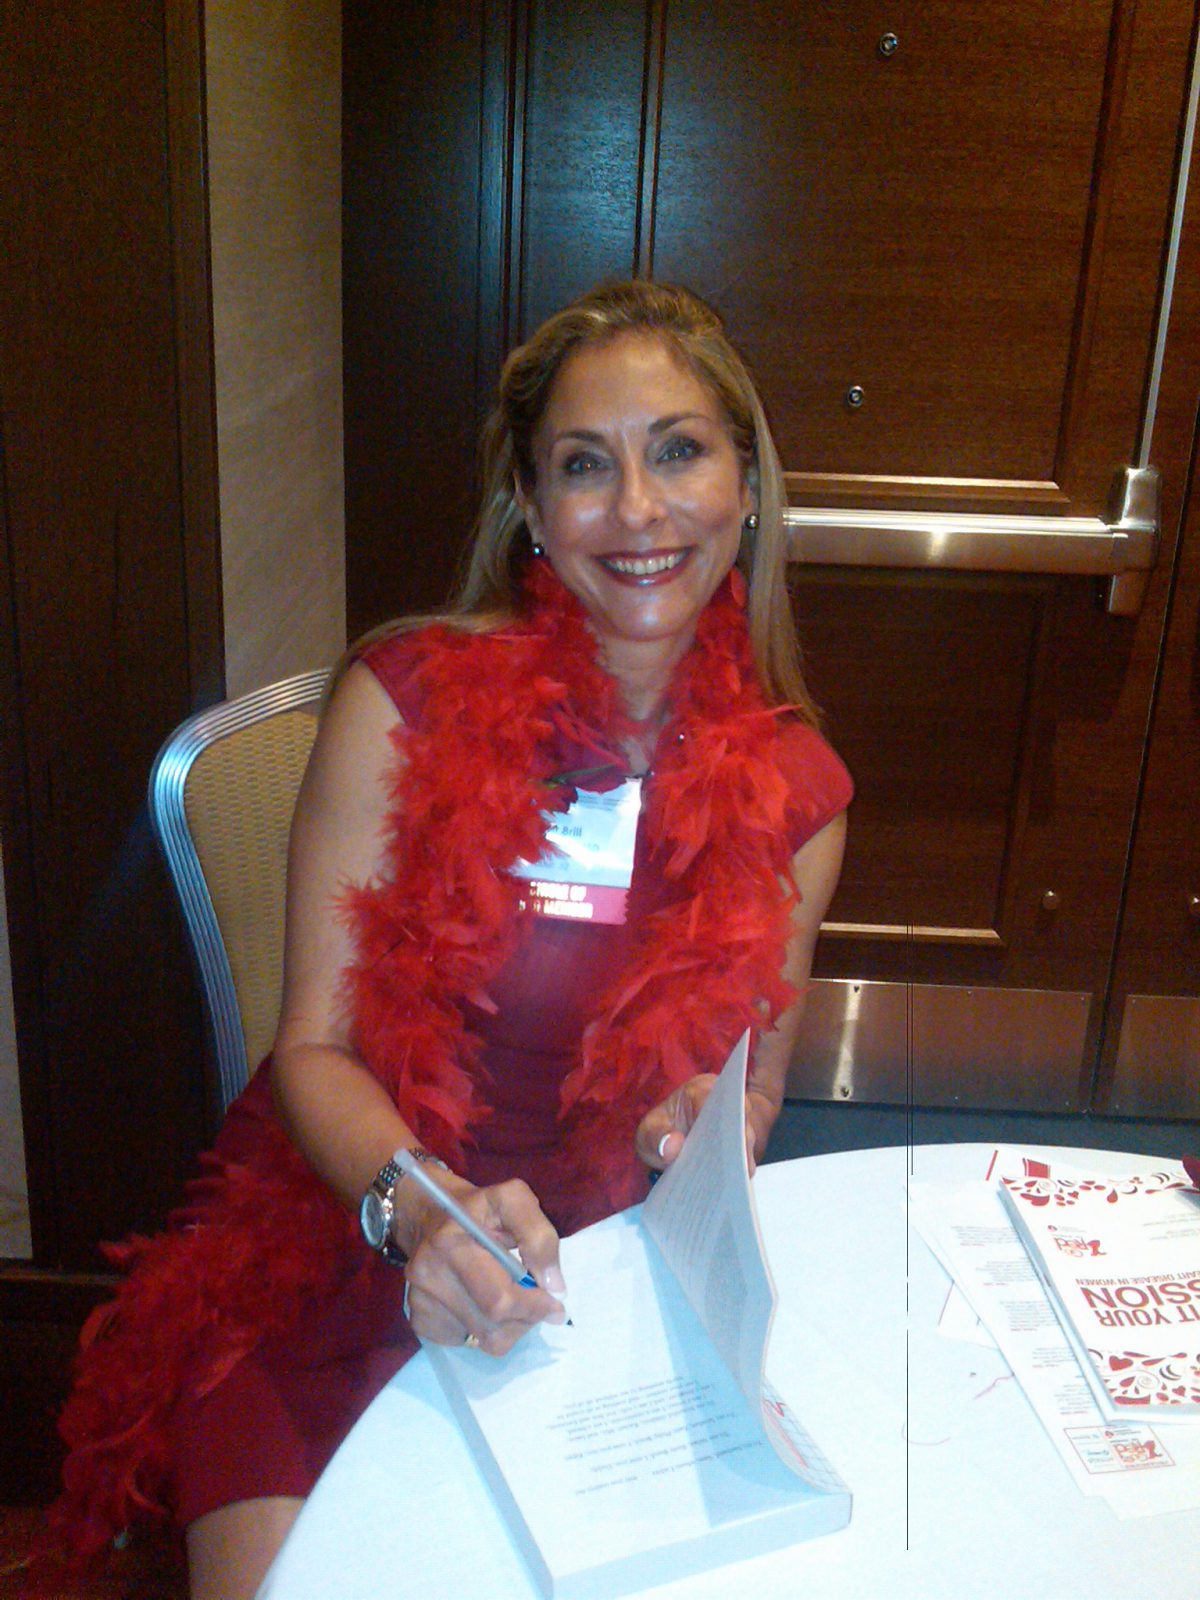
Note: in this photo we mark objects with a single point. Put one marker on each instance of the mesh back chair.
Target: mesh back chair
(222, 791)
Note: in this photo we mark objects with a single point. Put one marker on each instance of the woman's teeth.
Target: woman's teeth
(644, 566)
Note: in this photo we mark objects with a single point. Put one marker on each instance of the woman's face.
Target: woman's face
(640, 495)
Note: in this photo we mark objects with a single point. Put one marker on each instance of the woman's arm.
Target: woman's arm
(661, 1133)
(336, 1111)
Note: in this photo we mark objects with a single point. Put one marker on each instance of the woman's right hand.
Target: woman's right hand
(455, 1289)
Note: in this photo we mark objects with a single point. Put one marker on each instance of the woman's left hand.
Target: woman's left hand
(661, 1132)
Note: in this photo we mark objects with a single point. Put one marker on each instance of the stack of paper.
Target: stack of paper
(1141, 1453)
(1120, 1261)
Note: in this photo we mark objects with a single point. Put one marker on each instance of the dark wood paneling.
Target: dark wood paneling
(1135, 186)
(111, 558)
(898, 664)
(581, 173)
(913, 224)
(412, 151)
(195, 381)
(971, 229)
(40, 1318)
(1161, 930)
(1158, 953)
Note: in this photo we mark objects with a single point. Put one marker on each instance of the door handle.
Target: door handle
(1123, 549)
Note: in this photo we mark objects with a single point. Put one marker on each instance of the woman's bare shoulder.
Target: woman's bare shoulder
(348, 783)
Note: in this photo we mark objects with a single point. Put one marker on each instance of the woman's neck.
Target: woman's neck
(642, 670)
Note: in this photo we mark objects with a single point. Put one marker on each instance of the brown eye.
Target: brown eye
(681, 448)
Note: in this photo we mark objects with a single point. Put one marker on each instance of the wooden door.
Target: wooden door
(1150, 1061)
(939, 232)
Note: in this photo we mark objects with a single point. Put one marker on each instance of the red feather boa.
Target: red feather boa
(469, 796)
(726, 799)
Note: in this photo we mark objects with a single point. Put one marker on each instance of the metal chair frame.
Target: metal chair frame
(168, 813)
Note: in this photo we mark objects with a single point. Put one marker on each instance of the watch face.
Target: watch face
(374, 1219)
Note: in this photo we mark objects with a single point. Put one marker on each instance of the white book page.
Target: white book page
(701, 1216)
(620, 1449)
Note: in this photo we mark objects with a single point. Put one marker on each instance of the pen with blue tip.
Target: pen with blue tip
(516, 1270)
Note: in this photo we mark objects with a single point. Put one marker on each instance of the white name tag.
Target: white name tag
(586, 869)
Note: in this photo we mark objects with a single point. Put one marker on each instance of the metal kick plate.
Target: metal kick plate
(1158, 1058)
(941, 1045)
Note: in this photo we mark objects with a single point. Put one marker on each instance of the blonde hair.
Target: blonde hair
(489, 591)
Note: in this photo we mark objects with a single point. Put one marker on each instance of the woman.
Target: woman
(624, 615)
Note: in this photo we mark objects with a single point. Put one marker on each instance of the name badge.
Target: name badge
(586, 868)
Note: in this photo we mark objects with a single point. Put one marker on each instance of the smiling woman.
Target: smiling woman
(624, 629)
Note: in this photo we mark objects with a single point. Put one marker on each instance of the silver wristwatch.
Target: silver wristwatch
(379, 1206)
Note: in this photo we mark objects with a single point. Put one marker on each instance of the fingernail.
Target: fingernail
(662, 1146)
(558, 1315)
(553, 1281)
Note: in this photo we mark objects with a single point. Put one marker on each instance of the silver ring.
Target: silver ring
(470, 1342)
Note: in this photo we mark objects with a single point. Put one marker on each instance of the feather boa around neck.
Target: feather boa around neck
(470, 797)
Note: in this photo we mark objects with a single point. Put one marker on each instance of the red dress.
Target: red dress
(266, 1420)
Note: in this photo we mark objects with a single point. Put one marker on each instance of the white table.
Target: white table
(957, 1490)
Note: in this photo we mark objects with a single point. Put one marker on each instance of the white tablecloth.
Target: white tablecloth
(957, 1490)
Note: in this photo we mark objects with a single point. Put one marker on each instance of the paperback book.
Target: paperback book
(642, 1443)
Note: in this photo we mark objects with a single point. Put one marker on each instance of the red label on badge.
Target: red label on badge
(576, 902)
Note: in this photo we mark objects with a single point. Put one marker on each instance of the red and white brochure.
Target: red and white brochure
(1138, 1468)
(1120, 1260)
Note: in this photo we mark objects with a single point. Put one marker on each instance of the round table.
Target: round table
(957, 1490)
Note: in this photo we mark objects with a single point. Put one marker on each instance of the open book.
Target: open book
(1120, 1259)
(642, 1443)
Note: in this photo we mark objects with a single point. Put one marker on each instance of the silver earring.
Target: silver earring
(539, 549)
(751, 522)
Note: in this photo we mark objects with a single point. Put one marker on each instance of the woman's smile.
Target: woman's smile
(646, 569)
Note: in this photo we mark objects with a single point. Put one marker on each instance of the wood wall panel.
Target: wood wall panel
(102, 529)
(40, 1317)
(971, 229)
(1158, 953)
(412, 134)
(1133, 193)
(897, 664)
(580, 168)
(914, 224)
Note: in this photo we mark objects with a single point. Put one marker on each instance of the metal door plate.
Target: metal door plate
(1158, 1058)
(941, 1045)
